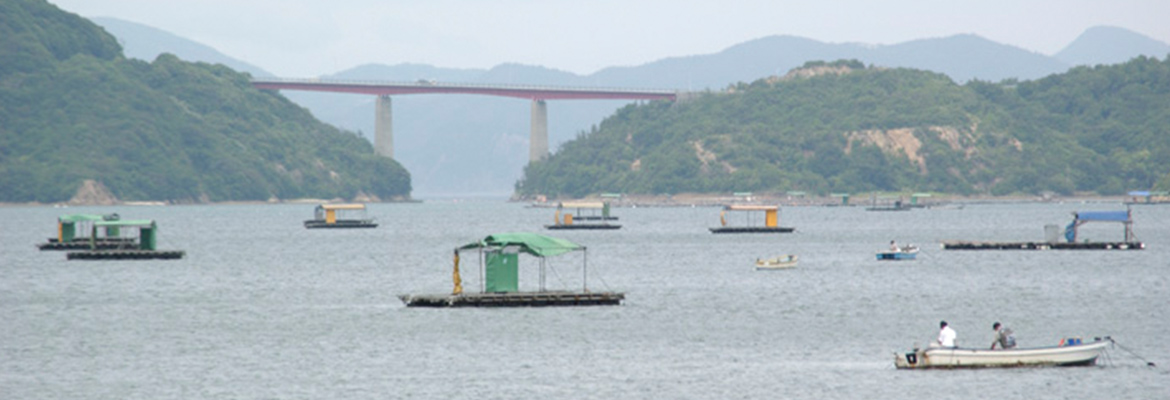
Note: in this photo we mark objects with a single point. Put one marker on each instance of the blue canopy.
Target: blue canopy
(1119, 216)
(1139, 193)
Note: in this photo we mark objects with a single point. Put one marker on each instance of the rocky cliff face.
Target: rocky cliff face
(93, 193)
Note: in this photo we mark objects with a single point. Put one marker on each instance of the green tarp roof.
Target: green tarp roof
(531, 243)
(85, 217)
(127, 223)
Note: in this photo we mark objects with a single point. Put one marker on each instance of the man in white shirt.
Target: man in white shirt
(946, 335)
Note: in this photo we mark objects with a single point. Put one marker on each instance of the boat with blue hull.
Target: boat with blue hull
(905, 253)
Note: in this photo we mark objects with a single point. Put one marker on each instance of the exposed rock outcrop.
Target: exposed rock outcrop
(93, 193)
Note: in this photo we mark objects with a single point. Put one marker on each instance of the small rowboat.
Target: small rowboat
(788, 261)
(1080, 354)
(905, 253)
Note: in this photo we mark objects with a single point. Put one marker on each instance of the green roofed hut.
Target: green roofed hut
(144, 248)
(499, 266)
(72, 230)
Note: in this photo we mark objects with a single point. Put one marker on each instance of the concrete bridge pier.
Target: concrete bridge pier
(538, 137)
(383, 127)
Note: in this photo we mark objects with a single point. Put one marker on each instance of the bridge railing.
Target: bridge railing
(430, 83)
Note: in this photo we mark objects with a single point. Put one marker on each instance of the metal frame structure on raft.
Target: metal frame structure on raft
(143, 249)
(771, 220)
(498, 262)
(1070, 235)
(69, 225)
(326, 216)
(567, 220)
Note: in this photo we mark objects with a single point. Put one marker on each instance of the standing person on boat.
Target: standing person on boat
(946, 335)
(1003, 337)
(894, 246)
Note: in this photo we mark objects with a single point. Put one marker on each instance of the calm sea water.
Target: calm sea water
(263, 308)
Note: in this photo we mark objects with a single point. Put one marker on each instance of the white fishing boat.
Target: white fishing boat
(1065, 355)
(785, 262)
(909, 252)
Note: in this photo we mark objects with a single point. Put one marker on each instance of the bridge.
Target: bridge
(383, 117)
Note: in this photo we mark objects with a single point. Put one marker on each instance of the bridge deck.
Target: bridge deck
(427, 87)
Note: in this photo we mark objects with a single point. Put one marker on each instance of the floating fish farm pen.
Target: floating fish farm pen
(71, 230)
(585, 211)
(327, 216)
(499, 276)
(144, 248)
(771, 220)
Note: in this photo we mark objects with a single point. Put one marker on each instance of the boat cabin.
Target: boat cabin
(340, 216)
(751, 221)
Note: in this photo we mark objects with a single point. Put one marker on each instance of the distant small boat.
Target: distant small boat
(905, 253)
(785, 262)
(1078, 354)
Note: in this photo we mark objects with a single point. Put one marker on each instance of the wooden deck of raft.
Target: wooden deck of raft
(582, 226)
(102, 244)
(961, 245)
(752, 229)
(514, 299)
(125, 255)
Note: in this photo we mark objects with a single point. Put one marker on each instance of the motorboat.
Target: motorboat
(909, 252)
(1070, 352)
(785, 262)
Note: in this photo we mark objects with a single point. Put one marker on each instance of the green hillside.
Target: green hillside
(842, 127)
(72, 109)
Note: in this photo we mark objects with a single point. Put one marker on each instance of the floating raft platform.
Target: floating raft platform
(960, 245)
(83, 244)
(593, 218)
(582, 226)
(752, 229)
(514, 299)
(900, 208)
(125, 255)
(316, 223)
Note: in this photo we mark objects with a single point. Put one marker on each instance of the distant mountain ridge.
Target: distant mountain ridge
(440, 138)
(148, 43)
(1110, 45)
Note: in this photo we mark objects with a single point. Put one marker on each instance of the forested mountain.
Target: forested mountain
(843, 127)
(475, 144)
(75, 113)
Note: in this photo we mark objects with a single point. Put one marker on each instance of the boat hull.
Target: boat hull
(896, 255)
(950, 358)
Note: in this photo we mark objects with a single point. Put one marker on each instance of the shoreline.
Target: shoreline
(679, 200)
(157, 203)
(885, 200)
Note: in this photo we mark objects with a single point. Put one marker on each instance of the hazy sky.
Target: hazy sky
(304, 38)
